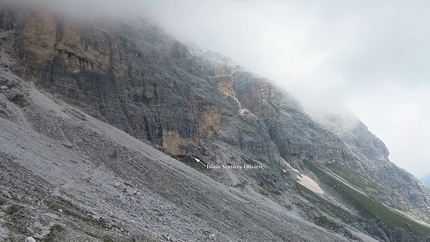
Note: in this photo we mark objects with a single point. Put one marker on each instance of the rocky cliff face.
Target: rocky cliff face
(206, 110)
(374, 162)
(156, 89)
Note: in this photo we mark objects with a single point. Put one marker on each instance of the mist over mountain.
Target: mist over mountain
(328, 54)
(426, 180)
(114, 130)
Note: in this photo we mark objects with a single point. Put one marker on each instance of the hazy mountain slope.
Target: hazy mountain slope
(375, 164)
(201, 107)
(67, 175)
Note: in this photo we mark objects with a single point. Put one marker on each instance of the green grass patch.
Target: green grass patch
(355, 178)
(403, 207)
(327, 206)
(367, 206)
(334, 185)
(274, 106)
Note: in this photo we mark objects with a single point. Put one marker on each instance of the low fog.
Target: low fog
(371, 57)
(87, 8)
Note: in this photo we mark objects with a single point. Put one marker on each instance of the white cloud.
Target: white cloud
(399, 115)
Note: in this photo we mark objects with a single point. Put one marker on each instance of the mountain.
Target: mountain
(112, 129)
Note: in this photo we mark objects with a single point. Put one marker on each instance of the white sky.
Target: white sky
(372, 56)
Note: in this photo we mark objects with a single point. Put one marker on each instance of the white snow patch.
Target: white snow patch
(288, 164)
(309, 183)
(306, 181)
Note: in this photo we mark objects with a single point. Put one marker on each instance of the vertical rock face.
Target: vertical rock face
(208, 117)
(115, 76)
(38, 39)
(136, 77)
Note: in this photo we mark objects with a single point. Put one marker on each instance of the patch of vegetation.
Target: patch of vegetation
(292, 111)
(269, 186)
(327, 206)
(274, 106)
(54, 233)
(354, 178)
(190, 161)
(17, 219)
(56, 203)
(367, 206)
(14, 209)
(323, 221)
(403, 207)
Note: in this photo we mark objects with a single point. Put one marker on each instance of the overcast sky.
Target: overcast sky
(371, 56)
